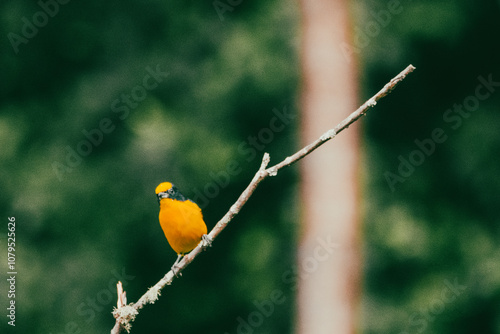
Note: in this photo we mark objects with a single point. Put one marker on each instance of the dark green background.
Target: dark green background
(78, 230)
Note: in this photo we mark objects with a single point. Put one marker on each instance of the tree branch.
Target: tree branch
(126, 314)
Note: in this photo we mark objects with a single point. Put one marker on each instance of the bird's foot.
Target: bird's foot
(175, 266)
(206, 241)
(175, 270)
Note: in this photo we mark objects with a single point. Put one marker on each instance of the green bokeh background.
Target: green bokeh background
(80, 228)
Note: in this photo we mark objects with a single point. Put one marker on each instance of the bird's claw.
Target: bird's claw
(206, 241)
(175, 270)
(175, 267)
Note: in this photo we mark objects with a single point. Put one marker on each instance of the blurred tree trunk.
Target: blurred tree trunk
(328, 285)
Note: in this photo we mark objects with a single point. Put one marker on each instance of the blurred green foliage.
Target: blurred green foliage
(439, 224)
(83, 226)
(82, 191)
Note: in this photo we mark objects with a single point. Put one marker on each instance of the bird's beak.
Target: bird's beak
(162, 195)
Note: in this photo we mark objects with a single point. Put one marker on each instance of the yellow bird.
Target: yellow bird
(181, 220)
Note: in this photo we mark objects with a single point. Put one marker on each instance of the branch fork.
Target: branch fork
(125, 314)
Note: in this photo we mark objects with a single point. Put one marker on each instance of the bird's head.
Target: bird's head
(168, 190)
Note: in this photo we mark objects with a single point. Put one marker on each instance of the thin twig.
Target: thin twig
(125, 314)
